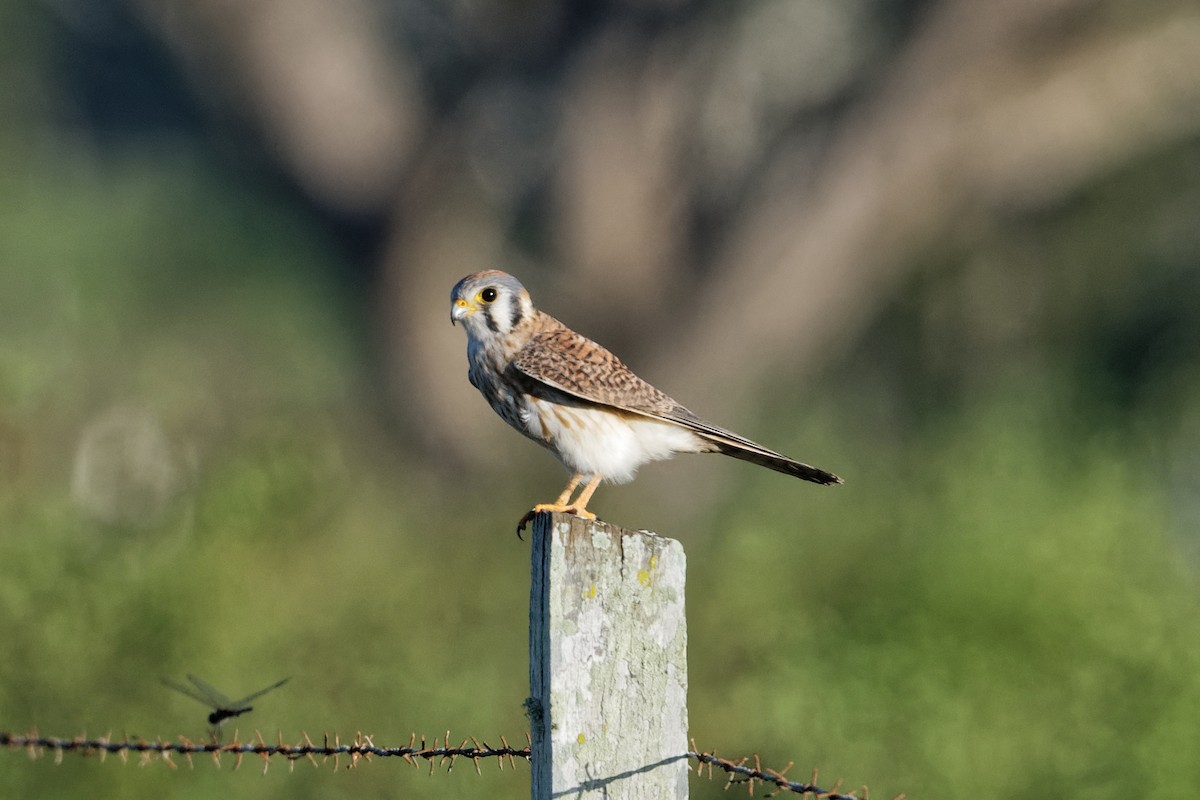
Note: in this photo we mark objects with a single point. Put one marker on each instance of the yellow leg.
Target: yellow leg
(563, 504)
(579, 507)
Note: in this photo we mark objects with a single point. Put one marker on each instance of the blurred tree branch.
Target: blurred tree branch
(970, 123)
(759, 233)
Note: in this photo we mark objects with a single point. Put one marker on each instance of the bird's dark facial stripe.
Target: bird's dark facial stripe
(491, 320)
(515, 313)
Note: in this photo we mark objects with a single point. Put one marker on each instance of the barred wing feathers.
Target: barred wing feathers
(562, 359)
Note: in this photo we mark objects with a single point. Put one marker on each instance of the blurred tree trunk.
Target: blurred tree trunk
(334, 102)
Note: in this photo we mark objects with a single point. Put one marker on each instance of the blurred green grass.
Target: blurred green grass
(998, 603)
(997, 612)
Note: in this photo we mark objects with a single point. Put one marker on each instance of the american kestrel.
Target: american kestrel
(578, 400)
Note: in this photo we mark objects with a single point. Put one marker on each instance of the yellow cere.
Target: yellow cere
(581, 738)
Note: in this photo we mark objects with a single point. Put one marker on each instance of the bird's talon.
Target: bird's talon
(533, 512)
(559, 508)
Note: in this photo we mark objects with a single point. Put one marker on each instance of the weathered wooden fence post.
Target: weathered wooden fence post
(607, 662)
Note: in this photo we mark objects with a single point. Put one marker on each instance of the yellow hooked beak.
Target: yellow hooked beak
(461, 310)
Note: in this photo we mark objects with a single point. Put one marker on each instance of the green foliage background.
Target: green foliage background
(1000, 602)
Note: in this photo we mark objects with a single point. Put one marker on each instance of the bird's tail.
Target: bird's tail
(779, 463)
(725, 441)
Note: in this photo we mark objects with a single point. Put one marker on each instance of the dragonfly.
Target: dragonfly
(222, 707)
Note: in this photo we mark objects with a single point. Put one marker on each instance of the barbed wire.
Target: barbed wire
(362, 748)
(739, 772)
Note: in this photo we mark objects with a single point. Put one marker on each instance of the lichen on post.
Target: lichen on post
(608, 662)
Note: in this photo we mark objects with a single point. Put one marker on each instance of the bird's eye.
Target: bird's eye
(488, 295)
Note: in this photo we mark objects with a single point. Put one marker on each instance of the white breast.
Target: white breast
(596, 441)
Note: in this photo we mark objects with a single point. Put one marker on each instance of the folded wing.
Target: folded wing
(563, 360)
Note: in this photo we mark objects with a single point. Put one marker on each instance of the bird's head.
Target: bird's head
(489, 303)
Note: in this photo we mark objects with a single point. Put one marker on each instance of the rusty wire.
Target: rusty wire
(747, 770)
(739, 771)
(360, 748)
